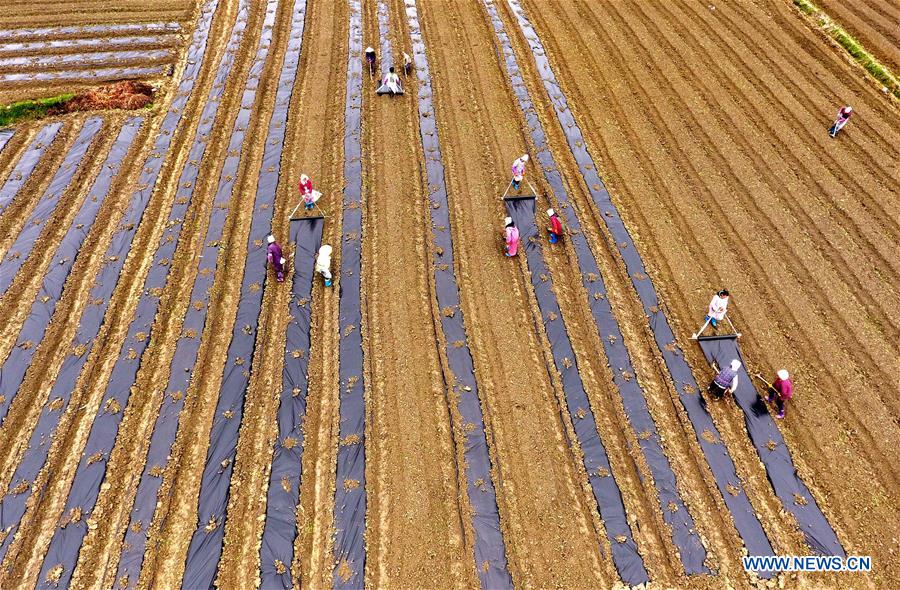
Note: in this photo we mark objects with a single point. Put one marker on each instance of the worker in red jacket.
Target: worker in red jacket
(781, 390)
(275, 257)
(556, 226)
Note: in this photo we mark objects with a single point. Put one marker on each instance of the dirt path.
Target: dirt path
(414, 521)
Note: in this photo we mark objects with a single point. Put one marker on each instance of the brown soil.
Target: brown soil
(709, 123)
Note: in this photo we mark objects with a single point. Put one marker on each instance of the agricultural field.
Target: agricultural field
(444, 416)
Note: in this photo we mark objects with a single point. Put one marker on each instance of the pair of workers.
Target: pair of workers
(275, 258)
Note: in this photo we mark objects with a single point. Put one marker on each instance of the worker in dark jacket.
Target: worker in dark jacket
(275, 257)
(726, 381)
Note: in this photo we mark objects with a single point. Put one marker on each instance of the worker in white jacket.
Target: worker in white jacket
(323, 263)
(718, 307)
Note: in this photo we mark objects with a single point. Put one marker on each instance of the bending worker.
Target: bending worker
(556, 226)
(725, 381)
(370, 60)
(391, 84)
(275, 257)
(511, 237)
(323, 263)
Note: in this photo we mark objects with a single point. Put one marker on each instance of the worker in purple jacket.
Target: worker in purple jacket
(275, 257)
(725, 381)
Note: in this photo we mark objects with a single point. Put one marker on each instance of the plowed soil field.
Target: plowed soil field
(126, 237)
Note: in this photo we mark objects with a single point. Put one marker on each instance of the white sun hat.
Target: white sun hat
(735, 365)
(783, 375)
(270, 239)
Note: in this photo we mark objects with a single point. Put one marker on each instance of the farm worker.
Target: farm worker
(782, 390)
(407, 64)
(718, 307)
(556, 226)
(323, 263)
(391, 83)
(725, 381)
(843, 116)
(370, 59)
(518, 171)
(275, 257)
(305, 185)
(511, 236)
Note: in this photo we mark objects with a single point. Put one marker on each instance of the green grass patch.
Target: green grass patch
(31, 109)
(851, 46)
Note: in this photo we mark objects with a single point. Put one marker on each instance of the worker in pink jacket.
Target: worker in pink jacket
(511, 237)
(275, 257)
(843, 117)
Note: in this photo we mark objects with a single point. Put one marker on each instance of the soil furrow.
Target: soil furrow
(47, 139)
(482, 526)
(348, 558)
(414, 523)
(716, 524)
(52, 204)
(798, 254)
(205, 547)
(511, 373)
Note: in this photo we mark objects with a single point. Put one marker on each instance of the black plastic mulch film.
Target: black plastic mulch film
(187, 348)
(606, 492)
(750, 531)
(16, 364)
(66, 542)
(27, 163)
(350, 488)
(206, 545)
(19, 251)
(773, 451)
(280, 531)
(5, 136)
(13, 505)
(490, 550)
